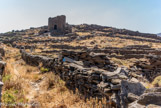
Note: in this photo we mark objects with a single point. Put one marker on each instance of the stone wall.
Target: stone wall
(91, 80)
(2, 52)
(149, 69)
(35, 60)
(88, 28)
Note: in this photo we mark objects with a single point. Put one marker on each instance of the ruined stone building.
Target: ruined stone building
(56, 25)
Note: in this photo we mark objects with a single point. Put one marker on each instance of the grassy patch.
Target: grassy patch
(44, 70)
(13, 93)
(6, 78)
(12, 98)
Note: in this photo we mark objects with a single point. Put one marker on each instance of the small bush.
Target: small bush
(8, 97)
(9, 83)
(43, 70)
(6, 78)
(12, 98)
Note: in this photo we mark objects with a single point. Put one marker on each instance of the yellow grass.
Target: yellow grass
(157, 82)
(83, 33)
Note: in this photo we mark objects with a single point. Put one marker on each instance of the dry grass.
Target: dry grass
(13, 91)
(20, 84)
(124, 62)
(58, 96)
(83, 33)
(157, 82)
(103, 41)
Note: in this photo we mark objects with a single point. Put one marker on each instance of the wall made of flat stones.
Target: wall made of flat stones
(90, 81)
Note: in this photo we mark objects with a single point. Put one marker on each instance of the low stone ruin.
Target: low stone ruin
(116, 84)
(148, 69)
(58, 26)
(90, 59)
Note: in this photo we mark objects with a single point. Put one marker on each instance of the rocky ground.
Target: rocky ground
(118, 67)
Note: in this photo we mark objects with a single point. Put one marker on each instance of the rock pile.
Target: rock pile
(149, 69)
(90, 59)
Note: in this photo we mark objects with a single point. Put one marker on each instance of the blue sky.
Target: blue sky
(137, 15)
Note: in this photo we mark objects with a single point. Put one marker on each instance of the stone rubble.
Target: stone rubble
(148, 69)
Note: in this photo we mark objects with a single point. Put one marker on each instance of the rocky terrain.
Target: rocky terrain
(117, 67)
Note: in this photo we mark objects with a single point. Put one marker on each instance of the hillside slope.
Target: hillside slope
(92, 63)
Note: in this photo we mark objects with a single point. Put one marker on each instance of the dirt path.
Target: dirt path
(18, 72)
(34, 87)
(41, 90)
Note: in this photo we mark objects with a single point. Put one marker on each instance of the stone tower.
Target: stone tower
(56, 25)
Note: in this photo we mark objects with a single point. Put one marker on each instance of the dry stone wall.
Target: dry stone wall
(148, 69)
(92, 81)
(85, 28)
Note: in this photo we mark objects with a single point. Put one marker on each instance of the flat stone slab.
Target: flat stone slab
(150, 98)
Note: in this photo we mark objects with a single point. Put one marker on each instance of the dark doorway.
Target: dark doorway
(55, 27)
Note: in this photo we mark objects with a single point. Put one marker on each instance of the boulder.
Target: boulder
(132, 97)
(2, 64)
(150, 98)
(132, 87)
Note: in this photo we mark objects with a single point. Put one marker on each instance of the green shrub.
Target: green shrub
(43, 70)
(6, 78)
(12, 98)
(8, 97)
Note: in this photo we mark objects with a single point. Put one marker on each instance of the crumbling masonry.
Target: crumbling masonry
(56, 25)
